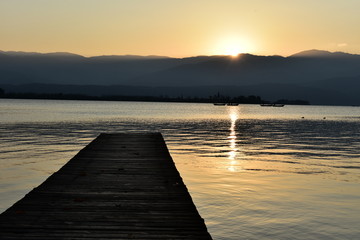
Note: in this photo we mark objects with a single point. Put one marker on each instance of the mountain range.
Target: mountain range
(321, 77)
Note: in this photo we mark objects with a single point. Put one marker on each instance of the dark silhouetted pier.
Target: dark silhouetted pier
(120, 186)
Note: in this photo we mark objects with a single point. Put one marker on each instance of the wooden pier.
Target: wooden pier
(120, 186)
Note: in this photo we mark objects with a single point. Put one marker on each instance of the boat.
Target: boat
(232, 104)
(272, 105)
(278, 105)
(219, 104)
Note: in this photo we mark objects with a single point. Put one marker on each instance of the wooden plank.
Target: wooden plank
(120, 186)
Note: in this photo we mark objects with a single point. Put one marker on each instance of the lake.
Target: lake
(253, 172)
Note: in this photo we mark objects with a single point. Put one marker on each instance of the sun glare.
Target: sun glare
(233, 46)
(233, 52)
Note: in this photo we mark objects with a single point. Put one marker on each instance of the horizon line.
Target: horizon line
(162, 56)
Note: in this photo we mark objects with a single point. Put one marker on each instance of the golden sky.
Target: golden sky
(179, 28)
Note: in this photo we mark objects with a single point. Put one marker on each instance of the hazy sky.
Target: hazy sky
(179, 28)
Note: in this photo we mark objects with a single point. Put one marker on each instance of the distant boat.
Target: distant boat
(232, 104)
(219, 104)
(272, 105)
(278, 105)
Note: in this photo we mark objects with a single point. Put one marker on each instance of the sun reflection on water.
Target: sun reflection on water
(233, 115)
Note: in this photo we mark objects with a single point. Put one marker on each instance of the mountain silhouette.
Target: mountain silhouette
(321, 77)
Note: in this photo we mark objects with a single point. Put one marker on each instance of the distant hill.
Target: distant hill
(321, 77)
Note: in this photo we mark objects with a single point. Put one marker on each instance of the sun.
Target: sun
(233, 51)
(233, 46)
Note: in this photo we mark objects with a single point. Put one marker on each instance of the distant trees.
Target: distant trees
(217, 98)
(249, 99)
(292, 102)
(239, 99)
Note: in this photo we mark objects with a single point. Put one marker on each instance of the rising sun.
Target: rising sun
(233, 51)
(233, 46)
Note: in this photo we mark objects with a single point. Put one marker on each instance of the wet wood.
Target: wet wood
(120, 186)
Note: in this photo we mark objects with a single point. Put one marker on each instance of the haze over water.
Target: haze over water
(253, 172)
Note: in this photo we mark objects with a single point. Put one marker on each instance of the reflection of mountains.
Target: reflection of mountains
(318, 76)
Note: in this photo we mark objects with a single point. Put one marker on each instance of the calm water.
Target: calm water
(253, 172)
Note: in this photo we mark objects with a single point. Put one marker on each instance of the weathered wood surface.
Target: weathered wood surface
(121, 186)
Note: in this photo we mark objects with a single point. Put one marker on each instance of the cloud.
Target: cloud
(342, 45)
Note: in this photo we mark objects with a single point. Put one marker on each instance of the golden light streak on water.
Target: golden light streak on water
(233, 152)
